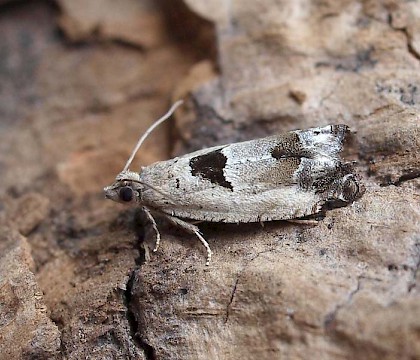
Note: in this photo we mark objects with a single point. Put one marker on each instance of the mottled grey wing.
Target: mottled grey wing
(279, 177)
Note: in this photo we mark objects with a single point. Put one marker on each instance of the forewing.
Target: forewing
(264, 179)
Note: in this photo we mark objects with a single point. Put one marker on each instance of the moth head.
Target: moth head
(128, 186)
(126, 189)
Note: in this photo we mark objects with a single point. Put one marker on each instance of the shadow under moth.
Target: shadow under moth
(281, 177)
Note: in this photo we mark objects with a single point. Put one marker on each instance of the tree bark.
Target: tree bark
(81, 82)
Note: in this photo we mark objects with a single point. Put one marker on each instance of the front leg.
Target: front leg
(149, 224)
(192, 229)
(310, 222)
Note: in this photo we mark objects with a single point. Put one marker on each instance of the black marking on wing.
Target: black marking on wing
(288, 147)
(280, 153)
(210, 166)
(340, 131)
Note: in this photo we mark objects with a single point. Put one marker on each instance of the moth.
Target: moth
(281, 177)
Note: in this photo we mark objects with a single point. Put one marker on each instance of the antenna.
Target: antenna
(149, 130)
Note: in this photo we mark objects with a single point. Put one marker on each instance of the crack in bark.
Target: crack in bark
(133, 322)
(384, 108)
(148, 350)
(402, 179)
(232, 295)
(330, 318)
(410, 47)
(412, 283)
(235, 285)
(406, 177)
(411, 50)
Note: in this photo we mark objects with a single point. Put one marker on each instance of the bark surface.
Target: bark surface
(80, 81)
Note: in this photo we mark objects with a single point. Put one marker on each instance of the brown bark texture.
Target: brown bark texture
(81, 80)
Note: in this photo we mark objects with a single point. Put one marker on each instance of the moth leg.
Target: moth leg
(191, 228)
(150, 220)
(303, 222)
(195, 222)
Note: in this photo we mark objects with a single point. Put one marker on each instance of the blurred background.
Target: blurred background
(80, 81)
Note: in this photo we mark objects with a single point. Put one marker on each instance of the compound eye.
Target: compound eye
(126, 194)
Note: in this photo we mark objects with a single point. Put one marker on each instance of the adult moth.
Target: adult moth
(280, 177)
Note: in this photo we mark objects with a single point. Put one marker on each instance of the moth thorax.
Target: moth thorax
(128, 175)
